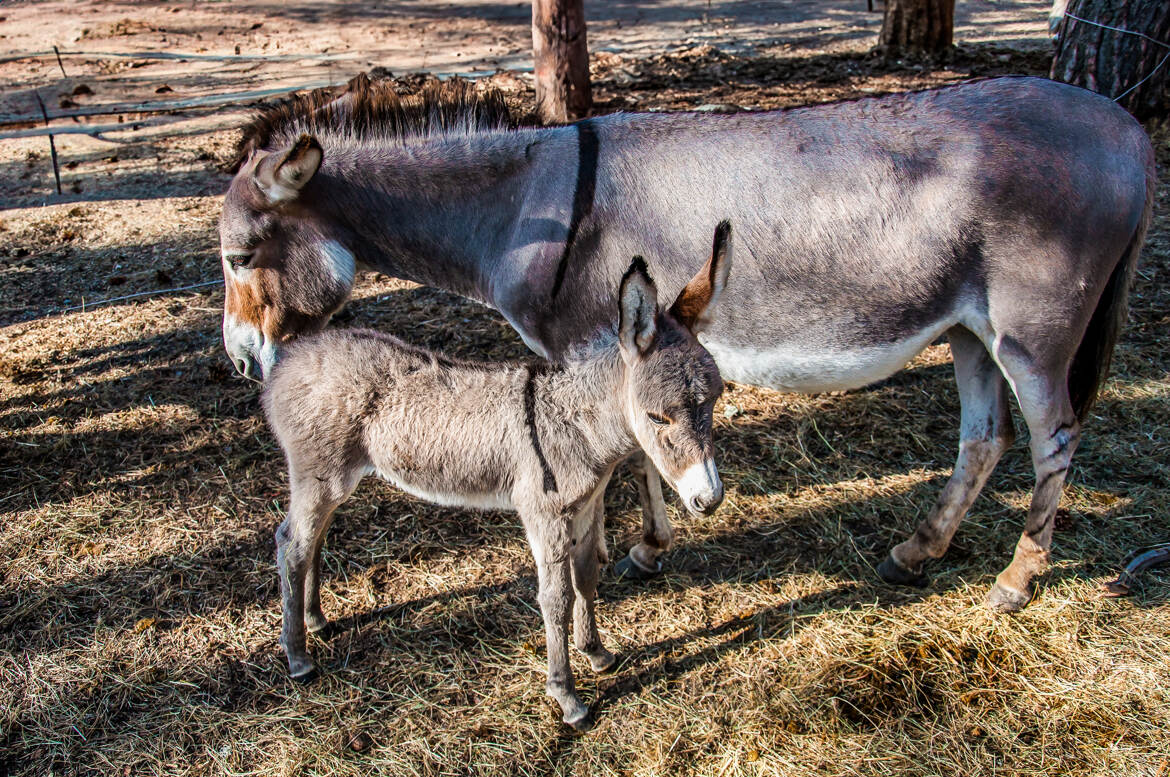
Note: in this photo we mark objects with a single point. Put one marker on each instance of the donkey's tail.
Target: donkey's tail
(1090, 365)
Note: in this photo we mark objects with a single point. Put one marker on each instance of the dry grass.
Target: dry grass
(139, 617)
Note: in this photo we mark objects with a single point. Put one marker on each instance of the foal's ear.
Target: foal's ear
(696, 302)
(282, 174)
(638, 302)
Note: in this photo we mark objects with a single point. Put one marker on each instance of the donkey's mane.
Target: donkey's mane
(373, 110)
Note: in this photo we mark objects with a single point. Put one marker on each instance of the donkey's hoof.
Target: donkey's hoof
(896, 574)
(629, 568)
(1004, 599)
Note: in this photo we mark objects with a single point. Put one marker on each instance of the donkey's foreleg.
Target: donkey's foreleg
(548, 534)
(1055, 433)
(985, 433)
(586, 565)
(644, 559)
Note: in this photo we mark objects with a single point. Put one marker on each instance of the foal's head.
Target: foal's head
(671, 380)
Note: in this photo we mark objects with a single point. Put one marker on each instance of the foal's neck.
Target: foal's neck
(590, 394)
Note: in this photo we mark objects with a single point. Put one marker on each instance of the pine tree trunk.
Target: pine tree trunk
(1130, 68)
(561, 59)
(917, 27)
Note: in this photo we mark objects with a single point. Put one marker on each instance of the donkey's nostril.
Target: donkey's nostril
(247, 367)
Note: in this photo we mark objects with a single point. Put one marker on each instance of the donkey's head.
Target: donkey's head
(671, 380)
(286, 269)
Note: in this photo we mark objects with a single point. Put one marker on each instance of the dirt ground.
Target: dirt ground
(140, 489)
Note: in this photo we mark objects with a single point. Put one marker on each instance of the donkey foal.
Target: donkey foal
(538, 439)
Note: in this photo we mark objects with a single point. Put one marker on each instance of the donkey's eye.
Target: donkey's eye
(241, 259)
(658, 420)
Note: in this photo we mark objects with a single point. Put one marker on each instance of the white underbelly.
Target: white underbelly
(471, 499)
(810, 370)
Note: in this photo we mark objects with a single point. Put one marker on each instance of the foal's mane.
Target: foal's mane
(373, 110)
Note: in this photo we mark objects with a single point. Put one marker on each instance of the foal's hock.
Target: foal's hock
(345, 404)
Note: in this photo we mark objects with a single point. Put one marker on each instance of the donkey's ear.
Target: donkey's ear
(282, 174)
(638, 302)
(696, 302)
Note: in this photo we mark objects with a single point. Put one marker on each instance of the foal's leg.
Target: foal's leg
(315, 618)
(298, 539)
(586, 564)
(985, 432)
(657, 534)
(548, 535)
(1047, 409)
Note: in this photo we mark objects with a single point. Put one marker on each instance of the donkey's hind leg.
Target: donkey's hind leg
(585, 555)
(644, 559)
(1044, 401)
(985, 433)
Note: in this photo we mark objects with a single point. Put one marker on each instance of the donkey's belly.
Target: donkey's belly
(812, 368)
(436, 493)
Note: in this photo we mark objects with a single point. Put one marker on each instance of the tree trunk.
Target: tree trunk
(1130, 68)
(917, 27)
(561, 59)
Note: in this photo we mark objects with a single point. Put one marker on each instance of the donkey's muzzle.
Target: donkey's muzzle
(247, 366)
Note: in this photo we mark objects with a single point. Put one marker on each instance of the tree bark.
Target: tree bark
(561, 59)
(1130, 68)
(917, 27)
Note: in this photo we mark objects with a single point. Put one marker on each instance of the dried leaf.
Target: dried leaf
(89, 549)
(359, 742)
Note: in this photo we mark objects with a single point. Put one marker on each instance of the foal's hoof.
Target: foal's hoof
(581, 720)
(305, 676)
(602, 662)
(896, 574)
(324, 632)
(1004, 599)
(629, 568)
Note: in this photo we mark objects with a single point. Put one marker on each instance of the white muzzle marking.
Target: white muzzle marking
(251, 352)
(700, 486)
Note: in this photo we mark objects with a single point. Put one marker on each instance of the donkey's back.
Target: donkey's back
(869, 225)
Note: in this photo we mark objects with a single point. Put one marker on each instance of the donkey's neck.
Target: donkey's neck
(438, 212)
(588, 394)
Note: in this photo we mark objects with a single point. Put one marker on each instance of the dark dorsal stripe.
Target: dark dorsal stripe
(550, 480)
(587, 146)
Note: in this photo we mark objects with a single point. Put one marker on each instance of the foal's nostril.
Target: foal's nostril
(706, 503)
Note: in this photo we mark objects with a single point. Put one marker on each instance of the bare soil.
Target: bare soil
(140, 492)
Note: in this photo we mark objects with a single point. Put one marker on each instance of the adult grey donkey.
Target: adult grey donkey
(344, 404)
(1007, 214)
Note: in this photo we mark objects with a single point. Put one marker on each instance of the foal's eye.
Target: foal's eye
(658, 420)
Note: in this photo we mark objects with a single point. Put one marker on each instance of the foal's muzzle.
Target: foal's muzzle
(701, 488)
